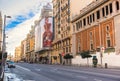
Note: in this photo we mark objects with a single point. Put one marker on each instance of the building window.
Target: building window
(108, 42)
(108, 36)
(107, 11)
(103, 12)
(90, 35)
(84, 22)
(107, 28)
(93, 17)
(81, 24)
(79, 47)
(88, 20)
(91, 45)
(69, 49)
(91, 40)
(66, 42)
(66, 49)
(73, 28)
(78, 43)
(117, 5)
(98, 14)
(77, 26)
(110, 5)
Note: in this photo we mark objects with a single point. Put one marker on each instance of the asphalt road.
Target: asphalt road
(40, 72)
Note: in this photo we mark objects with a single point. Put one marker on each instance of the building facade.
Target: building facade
(63, 11)
(27, 48)
(44, 35)
(30, 46)
(23, 49)
(96, 29)
(62, 34)
(17, 53)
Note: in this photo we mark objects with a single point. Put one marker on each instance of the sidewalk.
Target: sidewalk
(8, 76)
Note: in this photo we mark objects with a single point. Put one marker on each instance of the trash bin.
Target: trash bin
(106, 65)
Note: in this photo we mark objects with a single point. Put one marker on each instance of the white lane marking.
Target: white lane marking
(53, 70)
(93, 73)
(23, 68)
(97, 80)
(38, 69)
(81, 77)
(63, 73)
(28, 80)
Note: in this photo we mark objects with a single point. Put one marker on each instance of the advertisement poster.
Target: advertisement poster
(46, 32)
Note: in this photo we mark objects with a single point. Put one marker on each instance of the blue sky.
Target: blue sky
(23, 16)
(19, 19)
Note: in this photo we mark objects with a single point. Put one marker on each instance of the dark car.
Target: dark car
(11, 64)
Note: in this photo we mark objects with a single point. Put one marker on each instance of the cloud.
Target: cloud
(17, 34)
(19, 19)
(23, 16)
(14, 7)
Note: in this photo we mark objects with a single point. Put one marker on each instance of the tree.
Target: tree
(86, 54)
(68, 56)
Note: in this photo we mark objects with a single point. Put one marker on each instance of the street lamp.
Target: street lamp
(3, 46)
(3, 36)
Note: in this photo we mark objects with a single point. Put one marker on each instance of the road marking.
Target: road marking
(97, 80)
(55, 69)
(93, 73)
(38, 69)
(23, 68)
(82, 77)
(28, 80)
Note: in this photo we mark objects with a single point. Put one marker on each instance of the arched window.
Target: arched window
(117, 5)
(108, 41)
(91, 40)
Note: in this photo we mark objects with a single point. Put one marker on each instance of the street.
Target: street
(40, 72)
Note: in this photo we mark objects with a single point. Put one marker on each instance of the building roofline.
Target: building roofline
(92, 6)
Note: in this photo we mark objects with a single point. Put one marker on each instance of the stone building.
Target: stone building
(63, 11)
(44, 34)
(23, 50)
(17, 53)
(30, 45)
(96, 28)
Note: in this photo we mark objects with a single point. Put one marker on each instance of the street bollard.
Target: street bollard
(106, 66)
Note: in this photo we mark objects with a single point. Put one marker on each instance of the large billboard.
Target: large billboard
(44, 34)
(46, 31)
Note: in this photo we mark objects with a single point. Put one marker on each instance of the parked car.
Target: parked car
(11, 64)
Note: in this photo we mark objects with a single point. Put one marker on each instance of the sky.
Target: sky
(23, 14)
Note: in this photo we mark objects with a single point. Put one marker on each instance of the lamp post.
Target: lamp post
(4, 36)
(3, 46)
